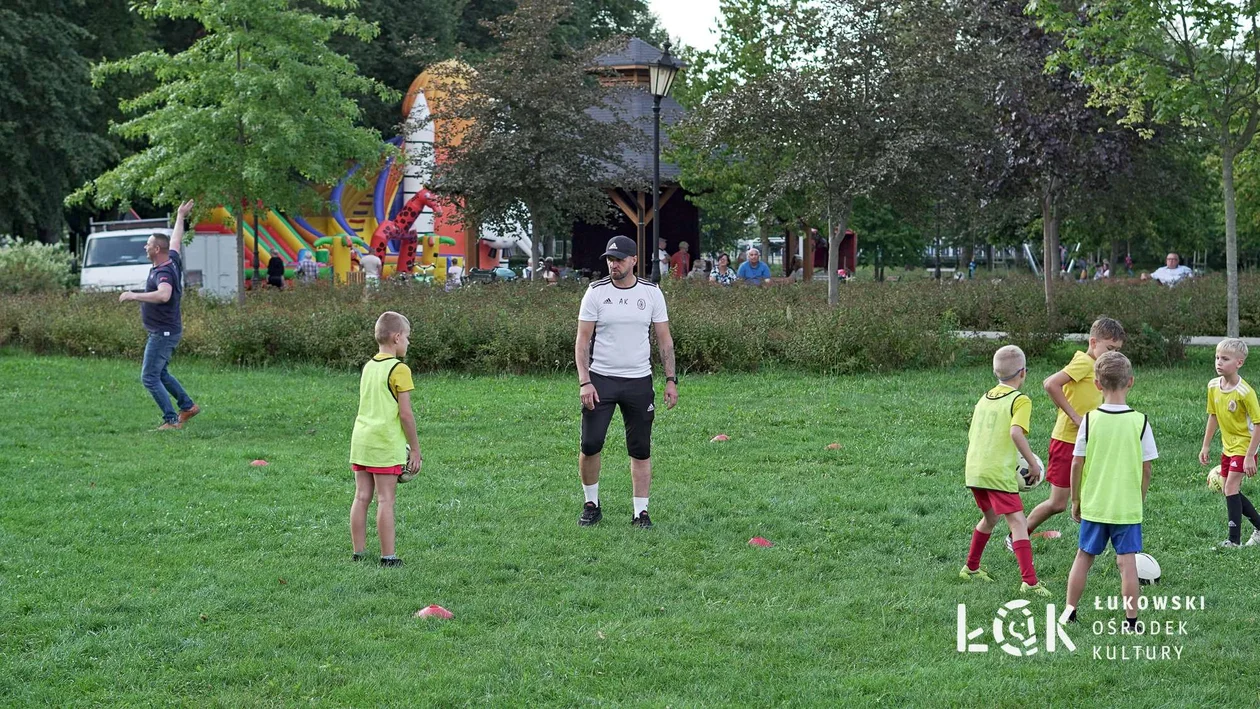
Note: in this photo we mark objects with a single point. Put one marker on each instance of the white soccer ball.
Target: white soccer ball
(1026, 482)
(408, 474)
(1147, 569)
(1215, 482)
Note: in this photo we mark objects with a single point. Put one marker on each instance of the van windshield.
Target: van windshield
(116, 250)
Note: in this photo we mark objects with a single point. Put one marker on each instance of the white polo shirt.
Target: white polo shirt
(623, 320)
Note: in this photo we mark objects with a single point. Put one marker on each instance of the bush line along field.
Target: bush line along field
(162, 569)
(521, 327)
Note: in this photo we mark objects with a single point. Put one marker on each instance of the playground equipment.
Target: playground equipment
(390, 212)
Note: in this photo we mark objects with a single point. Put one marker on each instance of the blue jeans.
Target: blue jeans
(153, 374)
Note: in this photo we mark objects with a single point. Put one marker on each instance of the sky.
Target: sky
(692, 21)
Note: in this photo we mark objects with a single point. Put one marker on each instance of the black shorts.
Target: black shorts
(637, 399)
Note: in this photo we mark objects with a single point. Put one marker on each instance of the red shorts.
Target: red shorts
(1059, 466)
(390, 470)
(1231, 464)
(1002, 503)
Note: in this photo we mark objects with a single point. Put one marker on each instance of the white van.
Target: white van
(114, 259)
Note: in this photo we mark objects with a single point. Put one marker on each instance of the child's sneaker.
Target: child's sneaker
(968, 575)
(642, 521)
(1010, 544)
(1254, 540)
(1040, 589)
(1227, 544)
(358, 556)
(391, 562)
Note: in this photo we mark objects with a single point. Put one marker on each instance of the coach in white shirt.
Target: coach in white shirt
(614, 364)
(1172, 271)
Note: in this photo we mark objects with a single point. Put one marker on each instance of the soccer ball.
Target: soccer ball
(1026, 481)
(1147, 569)
(408, 474)
(1215, 482)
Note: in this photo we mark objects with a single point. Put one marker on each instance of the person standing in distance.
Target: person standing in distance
(614, 365)
(159, 311)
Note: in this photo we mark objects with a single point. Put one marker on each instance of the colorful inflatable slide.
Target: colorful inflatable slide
(354, 209)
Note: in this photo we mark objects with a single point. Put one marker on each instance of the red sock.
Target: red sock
(1023, 553)
(978, 540)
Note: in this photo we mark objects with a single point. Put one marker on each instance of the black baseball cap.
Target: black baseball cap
(620, 247)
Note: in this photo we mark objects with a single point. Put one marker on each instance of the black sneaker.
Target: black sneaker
(591, 515)
(391, 562)
(642, 521)
(358, 557)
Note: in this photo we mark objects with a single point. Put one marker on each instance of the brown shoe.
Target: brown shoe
(170, 427)
(185, 415)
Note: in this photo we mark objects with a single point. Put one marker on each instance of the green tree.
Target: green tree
(533, 157)
(1192, 62)
(258, 108)
(52, 122)
(862, 96)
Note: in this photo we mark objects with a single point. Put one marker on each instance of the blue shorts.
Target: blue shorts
(1125, 538)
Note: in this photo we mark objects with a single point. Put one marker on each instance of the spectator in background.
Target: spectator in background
(697, 272)
(680, 263)
(723, 275)
(370, 263)
(307, 268)
(275, 272)
(1104, 271)
(754, 271)
(549, 272)
(661, 267)
(454, 275)
(1172, 272)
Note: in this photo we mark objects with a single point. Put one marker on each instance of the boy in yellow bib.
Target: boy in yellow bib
(384, 426)
(1232, 406)
(1073, 392)
(1111, 472)
(998, 436)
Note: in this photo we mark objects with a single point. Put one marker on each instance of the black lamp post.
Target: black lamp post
(661, 79)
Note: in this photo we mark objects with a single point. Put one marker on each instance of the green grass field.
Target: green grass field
(147, 569)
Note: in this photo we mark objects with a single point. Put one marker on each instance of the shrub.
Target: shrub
(32, 267)
(524, 327)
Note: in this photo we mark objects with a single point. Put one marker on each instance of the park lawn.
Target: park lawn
(142, 568)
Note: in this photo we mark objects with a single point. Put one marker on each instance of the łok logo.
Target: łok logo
(1015, 630)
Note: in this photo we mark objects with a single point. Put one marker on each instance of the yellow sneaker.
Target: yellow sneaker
(1040, 589)
(968, 575)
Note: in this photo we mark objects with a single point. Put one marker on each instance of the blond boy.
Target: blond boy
(384, 425)
(1111, 472)
(1232, 407)
(998, 436)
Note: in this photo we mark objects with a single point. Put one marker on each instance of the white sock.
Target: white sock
(592, 493)
(640, 505)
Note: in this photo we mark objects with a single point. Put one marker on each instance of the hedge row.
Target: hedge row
(522, 327)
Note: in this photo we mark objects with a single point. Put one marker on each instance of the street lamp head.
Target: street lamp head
(662, 73)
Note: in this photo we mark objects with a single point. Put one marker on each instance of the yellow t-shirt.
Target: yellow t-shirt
(1081, 394)
(399, 379)
(1236, 413)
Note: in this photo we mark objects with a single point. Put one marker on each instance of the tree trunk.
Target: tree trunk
(240, 261)
(988, 256)
(1050, 242)
(835, 234)
(807, 252)
(765, 243)
(535, 250)
(1116, 258)
(1231, 242)
(969, 253)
